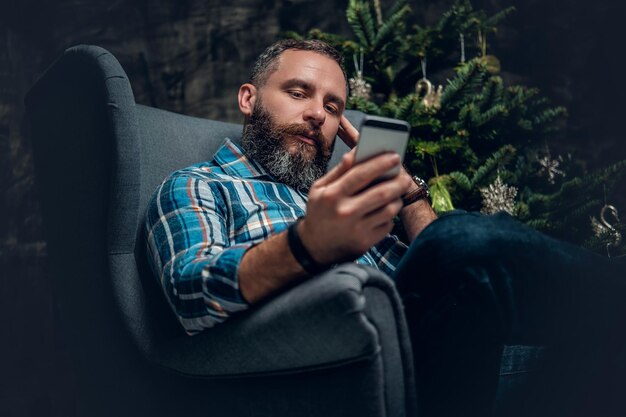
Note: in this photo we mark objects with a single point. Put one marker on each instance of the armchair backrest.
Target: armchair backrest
(106, 155)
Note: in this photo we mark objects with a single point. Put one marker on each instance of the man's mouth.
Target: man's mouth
(312, 137)
(309, 140)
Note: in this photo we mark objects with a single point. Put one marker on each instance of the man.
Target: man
(294, 108)
(225, 234)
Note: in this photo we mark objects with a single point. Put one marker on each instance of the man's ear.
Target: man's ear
(247, 97)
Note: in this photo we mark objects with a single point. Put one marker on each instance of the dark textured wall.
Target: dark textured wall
(190, 56)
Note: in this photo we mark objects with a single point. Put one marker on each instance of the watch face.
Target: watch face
(417, 180)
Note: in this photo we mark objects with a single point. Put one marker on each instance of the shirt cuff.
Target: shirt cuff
(221, 278)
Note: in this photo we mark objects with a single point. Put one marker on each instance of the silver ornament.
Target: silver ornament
(498, 197)
(358, 86)
(550, 167)
(604, 230)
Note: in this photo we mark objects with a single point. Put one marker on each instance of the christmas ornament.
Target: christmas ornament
(550, 167)
(440, 196)
(358, 86)
(491, 62)
(604, 230)
(431, 96)
(498, 197)
(462, 38)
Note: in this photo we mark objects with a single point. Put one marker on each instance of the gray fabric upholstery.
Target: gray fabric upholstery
(336, 345)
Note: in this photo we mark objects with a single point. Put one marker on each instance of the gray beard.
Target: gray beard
(265, 142)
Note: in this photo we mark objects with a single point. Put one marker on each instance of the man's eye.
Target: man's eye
(331, 109)
(296, 94)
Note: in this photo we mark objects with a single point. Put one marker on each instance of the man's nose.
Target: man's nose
(315, 113)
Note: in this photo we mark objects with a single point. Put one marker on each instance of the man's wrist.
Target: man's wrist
(417, 193)
(300, 251)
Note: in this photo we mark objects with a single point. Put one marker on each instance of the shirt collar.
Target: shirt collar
(231, 159)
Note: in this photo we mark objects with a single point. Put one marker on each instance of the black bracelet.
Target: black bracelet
(301, 254)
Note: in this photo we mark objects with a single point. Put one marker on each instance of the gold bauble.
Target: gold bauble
(491, 63)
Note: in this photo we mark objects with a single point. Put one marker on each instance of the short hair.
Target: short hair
(267, 62)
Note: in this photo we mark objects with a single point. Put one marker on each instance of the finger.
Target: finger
(362, 174)
(346, 162)
(376, 197)
(382, 229)
(347, 132)
(384, 214)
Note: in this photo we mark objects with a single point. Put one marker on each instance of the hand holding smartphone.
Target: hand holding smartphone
(379, 135)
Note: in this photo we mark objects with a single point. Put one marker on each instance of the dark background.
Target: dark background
(190, 56)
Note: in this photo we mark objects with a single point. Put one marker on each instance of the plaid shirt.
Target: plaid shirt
(202, 219)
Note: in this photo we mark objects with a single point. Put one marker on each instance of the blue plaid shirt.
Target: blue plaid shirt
(202, 219)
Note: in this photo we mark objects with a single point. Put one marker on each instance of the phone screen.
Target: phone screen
(375, 140)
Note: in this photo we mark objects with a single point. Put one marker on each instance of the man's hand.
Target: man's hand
(345, 217)
(414, 217)
(350, 136)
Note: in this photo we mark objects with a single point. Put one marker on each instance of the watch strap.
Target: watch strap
(422, 192)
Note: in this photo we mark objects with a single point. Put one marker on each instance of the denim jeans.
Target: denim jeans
(472, 283)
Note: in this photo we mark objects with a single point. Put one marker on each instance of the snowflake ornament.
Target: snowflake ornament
(358, 86)
(550, 167)
(498, 197)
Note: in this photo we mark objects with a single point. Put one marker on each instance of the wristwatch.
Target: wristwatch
(420, 193)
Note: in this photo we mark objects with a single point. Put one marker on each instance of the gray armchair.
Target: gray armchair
(336, 345)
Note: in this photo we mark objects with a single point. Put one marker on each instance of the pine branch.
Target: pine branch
(397, 6)
(405, 107)
(461, 180)
(366, 106)
(492, 93)
(469, 77)
(498, 17)
(390, 27)
(360, 18)
(482, 118)
(499, 158)
(434, 148)
(335, 40)
(466, 115)
(290, 34)
(579, 212)
(549, 115)
(518, 95)
(540, 224)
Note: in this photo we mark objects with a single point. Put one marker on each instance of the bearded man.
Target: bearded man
(225, 234)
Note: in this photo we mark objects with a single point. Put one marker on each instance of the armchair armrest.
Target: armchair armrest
(326, 321)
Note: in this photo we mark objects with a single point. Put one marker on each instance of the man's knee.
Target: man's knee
(456, 258)
(461, 238)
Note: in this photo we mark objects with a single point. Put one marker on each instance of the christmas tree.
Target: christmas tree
(482, 144)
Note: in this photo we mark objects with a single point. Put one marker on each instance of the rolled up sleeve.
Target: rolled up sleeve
(187, 230)
(387, 253)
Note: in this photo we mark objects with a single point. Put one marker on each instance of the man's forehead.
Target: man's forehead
(311, 66)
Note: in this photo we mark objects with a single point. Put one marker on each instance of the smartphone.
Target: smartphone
(380, 135)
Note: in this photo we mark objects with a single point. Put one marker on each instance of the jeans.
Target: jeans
(473, 283)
